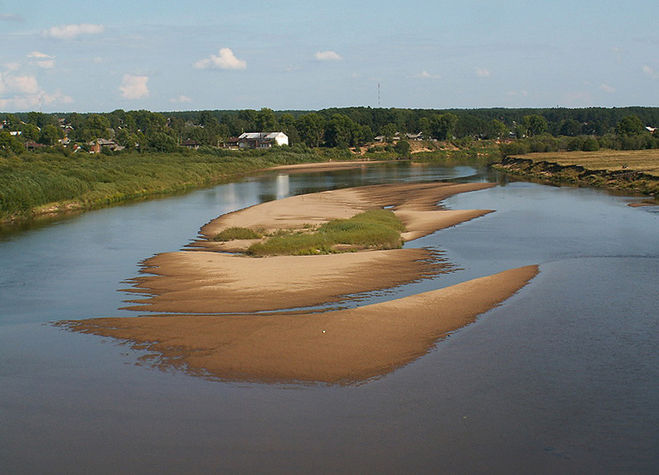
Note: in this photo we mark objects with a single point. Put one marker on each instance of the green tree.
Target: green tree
(341, 131)
(570, 128)
(402, 148)
(9, 144)
(96, 127)
(265, 120)
(50, 135)
(389, 132)
(497, 129)
(630, 125)
(443, 126)
(30, 131)
(311, 128)
(535, 124)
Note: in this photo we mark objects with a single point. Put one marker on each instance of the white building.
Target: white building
(262, 139)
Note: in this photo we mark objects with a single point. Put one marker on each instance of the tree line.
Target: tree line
(345, 127)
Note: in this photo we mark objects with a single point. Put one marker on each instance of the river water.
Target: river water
(562, 377)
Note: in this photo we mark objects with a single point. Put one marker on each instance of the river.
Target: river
(562, 377)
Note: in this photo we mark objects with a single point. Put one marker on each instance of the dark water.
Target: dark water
(563, 377)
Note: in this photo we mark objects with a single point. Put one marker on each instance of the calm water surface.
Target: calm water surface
(563, 377)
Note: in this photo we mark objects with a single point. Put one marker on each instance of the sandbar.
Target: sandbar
(202, 280)
(340, 347)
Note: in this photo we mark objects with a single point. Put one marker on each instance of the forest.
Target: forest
(141, 130)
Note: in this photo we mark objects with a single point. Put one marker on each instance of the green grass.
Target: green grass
(231, 234)
(373, 229)
(30, 181)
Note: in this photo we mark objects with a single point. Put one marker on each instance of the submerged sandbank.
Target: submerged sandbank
(343, 346)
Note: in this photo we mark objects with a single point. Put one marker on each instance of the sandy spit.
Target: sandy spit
(213, 282)
(340, 347)
(202, 281)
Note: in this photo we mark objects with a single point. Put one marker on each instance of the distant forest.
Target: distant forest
(336, 127)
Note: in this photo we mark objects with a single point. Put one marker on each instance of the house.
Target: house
(262, 139)
(417, 136)
(32, 146)
(231, 142)
(95, 146)
(191, 144)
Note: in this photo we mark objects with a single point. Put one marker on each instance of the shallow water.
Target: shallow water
(564, 376)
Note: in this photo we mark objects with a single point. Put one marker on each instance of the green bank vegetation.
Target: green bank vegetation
(373, 229)
(33, 184)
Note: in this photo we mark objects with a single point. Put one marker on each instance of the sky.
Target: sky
(161, 55)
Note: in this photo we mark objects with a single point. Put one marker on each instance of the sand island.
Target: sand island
(224, 314)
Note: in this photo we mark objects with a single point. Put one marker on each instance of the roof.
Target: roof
(260, 135)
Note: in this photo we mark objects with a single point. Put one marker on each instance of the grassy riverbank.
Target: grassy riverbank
(635, 171)
(34, 184)
(46, 184)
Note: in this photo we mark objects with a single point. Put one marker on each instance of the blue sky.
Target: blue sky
(72, 55)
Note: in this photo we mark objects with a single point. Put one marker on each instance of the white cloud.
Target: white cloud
(23, 93)
(607, 88)
(426, 75)
(38, 54)
(482, 73)
(650, 72)
(521, 92)
(328, 56)
(224, 60)
(13, 66)
(22, 84)
(42, 59)
(134, 87)
(180, 99)
(10, 17)
(67, 32)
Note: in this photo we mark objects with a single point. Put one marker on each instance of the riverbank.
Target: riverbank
(634, 171)
(35, 185)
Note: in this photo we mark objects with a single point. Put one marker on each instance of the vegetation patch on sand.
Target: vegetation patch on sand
(231, 234)
(635, 171)
(372, 229)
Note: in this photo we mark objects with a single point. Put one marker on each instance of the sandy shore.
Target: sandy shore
(334, 347)
(195, 281)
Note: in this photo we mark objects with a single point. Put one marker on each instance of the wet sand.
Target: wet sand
(199, 281)
(234, 333)
(213, 282)
(343, 347)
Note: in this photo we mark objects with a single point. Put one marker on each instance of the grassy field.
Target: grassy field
(373, 229)
(34, 184)
(644, 161)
